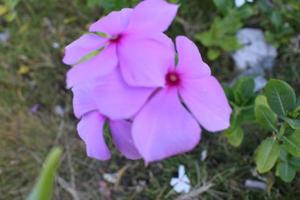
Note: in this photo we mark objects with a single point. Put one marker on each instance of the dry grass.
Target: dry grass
(26, 137)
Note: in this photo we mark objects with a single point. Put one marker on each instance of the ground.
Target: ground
(36, 114)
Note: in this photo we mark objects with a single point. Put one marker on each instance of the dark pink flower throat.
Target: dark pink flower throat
(173, 78)
(116, 39)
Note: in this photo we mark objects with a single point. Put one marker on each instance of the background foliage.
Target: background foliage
(36, 113)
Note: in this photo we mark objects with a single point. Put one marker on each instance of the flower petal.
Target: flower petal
(185, 179)
(81, 47)
(144, 62)
(206, 100)
(152, 16)
(98, 66)
(190, 63)
(121, 134)
(181, 171)
(82, 101)
(116, 99)
(114, 23)
(90, 129)
(164, 128)
(186, 188)
(174, 181)
(182, 188)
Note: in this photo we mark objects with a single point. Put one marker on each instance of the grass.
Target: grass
(26, 137)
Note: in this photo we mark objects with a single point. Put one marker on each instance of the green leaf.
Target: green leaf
(292, 143)
(247, 114)
(228, 91)
(266, 117)
(244, 90)
(276, 19)
(43, 188)
(234, 135)
(285, 171)
(245, 12)
(266, 155)
(264, 6)
(12, 3)
(206, 38)
(230, 43)
(261, 100)
(213, 54)
(281, 97)
(283, 155)
(223, 6)
(10, 16)
(294, 123)
(227, 26)
(295, 162)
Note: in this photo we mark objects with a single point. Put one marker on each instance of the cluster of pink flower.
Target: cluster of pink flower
(124, 73)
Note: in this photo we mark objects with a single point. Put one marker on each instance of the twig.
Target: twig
(59, 131)
(70, 165)
(195, 193)
(120, 174)
(66, 186)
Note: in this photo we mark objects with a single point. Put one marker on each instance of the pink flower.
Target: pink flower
(125, 69)
(168, 124)
(91, 129)
(131, 40)
(111, 96)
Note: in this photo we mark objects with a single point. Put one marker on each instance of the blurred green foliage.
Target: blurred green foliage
(241, 97)
(111, 5)
(7, 9)
(31, 73)
(276, 111)
(44, 187)
(280, 20)
(222, 34)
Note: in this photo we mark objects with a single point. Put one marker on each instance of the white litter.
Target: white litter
(255, 57)
(249, 183)
(111, 178)
(256, 52)
(59, 111)
(203, 154)
(260, 83)
(239, 3)
(55, 45)
(4, 36)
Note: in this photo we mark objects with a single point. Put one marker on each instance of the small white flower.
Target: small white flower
(181, 184)
(239, 3)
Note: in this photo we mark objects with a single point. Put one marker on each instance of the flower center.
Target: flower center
(172, 79)
(115, 39)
